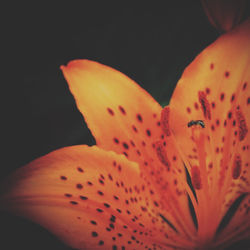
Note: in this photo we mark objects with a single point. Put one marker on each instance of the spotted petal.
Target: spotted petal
(126, 119)
(90, 199)
(121, 115)
(215, 89)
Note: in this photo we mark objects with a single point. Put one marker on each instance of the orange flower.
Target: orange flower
(130, 191)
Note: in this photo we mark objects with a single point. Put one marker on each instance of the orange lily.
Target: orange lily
(130, 191)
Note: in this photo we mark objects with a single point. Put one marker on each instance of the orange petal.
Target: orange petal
(215, 88)
(120, 114)
(239, 226)
(126, 119)
(89, 198)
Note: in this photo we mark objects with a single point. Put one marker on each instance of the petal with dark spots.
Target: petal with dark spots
(118, 204)
(217, 83)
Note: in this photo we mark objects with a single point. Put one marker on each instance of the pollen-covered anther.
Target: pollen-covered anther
(162, 155)
(242, 125)
(205, 106)
(196, 177)
(165, 121)
(236, 170)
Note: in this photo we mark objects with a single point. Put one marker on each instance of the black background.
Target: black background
(151, 43)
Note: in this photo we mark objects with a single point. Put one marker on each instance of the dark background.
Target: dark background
(152, 44)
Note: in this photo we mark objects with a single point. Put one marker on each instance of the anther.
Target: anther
(205, 106)
(165, 121)
(242, 125)
(196, 177)
(162, 155)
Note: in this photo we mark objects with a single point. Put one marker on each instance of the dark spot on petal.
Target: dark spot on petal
(100, 192)
(106, 205)
(207, 91)
(244, 86)
(227, 73)
(222, 96)
(110, 177)
(232, 97)
(122, 110)
(125, 145)
(94, 234)
(134, 128)
(112, 218)
(148, 132)
(156, 204)
(110, 111)
(79, 186)
(139, 118)
(116, 140)
(101, 242)
(101, 181)
(80, 169)
(64, 178)
(125, 154)
(211, 66)
(74, 202)
(196, 105)
(188, 110)
(84, 198)
(68, 195)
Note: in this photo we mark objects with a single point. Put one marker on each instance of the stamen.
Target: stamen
(162, 155)
(236, 170)
(165, 121)
(205, 106)
(196, 177)
(242, 125)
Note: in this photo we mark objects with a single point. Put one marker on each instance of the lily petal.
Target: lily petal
(126, 119)
(121, 115)
(218, 87)
(89, 198)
